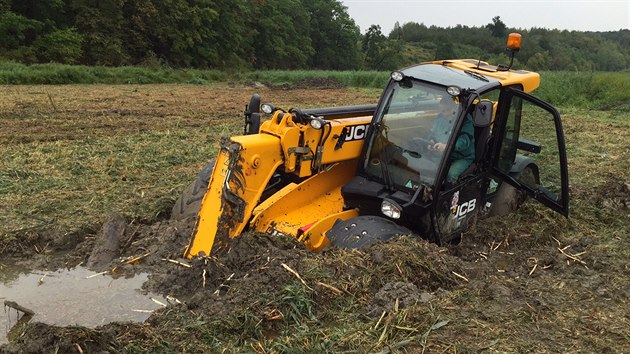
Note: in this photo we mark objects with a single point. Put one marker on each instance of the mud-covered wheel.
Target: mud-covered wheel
(508, 198)
(189, 202)
(363, 231)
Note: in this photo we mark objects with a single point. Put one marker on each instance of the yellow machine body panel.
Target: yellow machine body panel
(355, 128)
(241, 173)
(302, 158)
(247, 163)
(314, 237)
(301, 207)
(208, 220)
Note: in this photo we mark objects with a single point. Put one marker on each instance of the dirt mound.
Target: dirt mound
(269, 293)
(319, 82)
(42, 338)
(247, 256)
(309, 83)
(272, 281)
(157, 249)
(258, 264)
(614, 196)
(151, 243)
(107, 243)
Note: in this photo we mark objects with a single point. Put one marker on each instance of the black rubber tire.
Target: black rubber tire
(189, 202)
(364, 231)
(508, 198)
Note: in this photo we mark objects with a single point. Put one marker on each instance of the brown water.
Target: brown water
(73, 297)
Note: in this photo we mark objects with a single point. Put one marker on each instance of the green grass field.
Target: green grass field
(591, 90)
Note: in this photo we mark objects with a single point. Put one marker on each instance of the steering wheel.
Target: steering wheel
(420, 145)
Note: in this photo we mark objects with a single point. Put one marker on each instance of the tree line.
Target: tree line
(541, 49)
(272, 34)
(235, 34)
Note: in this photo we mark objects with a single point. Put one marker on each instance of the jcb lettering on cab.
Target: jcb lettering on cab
(357, 132)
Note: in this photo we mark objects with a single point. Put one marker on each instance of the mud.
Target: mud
(509, 273)
(309, 83)
(319, 82)
(614, 196)
(107, 243)
(254, 264)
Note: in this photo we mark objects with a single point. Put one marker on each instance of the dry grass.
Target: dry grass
(71, 154)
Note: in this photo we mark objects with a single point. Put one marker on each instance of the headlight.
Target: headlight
(316, 123)
(267, 108)
(397, 76)
(391, 209)
(453, 90)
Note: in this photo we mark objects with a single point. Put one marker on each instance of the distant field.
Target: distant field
(72, 153)
(592, 90)
(14, 73)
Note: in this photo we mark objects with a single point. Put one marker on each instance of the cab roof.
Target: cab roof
(471, 74)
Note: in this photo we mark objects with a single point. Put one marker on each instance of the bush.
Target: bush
(61, 46)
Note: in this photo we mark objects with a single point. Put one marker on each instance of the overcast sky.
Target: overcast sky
(583, 15)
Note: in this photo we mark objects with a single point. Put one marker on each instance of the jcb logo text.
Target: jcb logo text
(356, 132)
(464, 208)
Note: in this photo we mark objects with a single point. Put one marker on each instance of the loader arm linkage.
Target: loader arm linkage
(321, 161)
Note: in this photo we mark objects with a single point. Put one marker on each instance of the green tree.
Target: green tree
(102, 24)
(232, 34)
(539, 61)
(60, 46)
(49, 12)
(445, 50)
(380, 53)
(610, 58)
(17, 33)
(335, 37)
(397, 32)
(413, 32)
(15, 30)
(282, 35)
(497, 27)
(141, 20)
(185, 35)
(202, 33)
(278, 34)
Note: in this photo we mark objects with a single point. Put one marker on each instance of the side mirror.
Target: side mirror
(405, 83)
(482, 115)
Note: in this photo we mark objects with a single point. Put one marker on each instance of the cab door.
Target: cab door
(529, 142)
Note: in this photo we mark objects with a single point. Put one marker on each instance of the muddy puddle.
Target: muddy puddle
(73, 297)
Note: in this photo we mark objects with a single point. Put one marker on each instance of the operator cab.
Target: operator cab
(442, 139)
(414, 116)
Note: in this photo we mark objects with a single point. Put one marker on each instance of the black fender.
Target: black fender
(508, 198)
(521, 162)
(364, 231)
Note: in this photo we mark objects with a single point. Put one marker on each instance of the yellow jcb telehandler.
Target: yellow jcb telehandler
(448, 142)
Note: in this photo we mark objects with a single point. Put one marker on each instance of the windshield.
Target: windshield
(405, 151)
